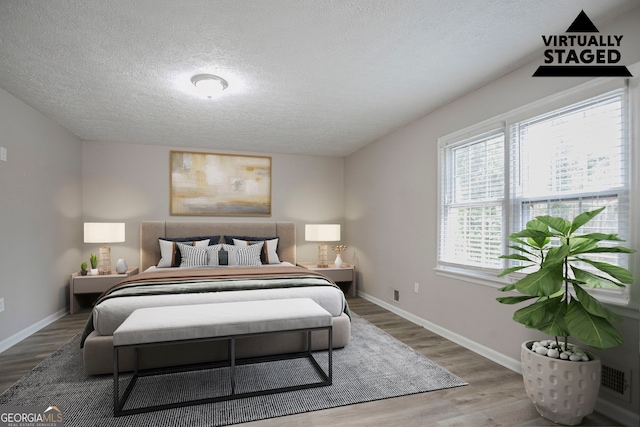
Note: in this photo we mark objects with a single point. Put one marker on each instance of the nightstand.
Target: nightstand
(345, 276)
(82, 287)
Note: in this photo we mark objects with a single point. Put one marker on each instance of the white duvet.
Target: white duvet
(109, 314)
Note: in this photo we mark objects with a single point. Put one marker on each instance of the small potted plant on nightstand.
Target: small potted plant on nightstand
(94, 264)
(561, 379)
(83, 268)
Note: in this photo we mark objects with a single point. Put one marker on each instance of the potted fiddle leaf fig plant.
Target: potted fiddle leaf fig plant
(558, 272)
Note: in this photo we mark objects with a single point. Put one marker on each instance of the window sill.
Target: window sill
(481, 278)
(629, 309)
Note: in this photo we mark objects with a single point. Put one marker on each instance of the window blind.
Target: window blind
(576, 150)
(473, 194)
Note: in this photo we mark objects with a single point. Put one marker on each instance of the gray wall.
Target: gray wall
(40, 210)
(130, 183)
(391, 218)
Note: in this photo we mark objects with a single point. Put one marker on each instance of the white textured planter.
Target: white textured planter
(562, 391)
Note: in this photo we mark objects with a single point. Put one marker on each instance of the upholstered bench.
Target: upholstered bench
(223, 321)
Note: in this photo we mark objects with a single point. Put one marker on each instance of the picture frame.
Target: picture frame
(214, 184)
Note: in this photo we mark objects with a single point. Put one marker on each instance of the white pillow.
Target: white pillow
(244, 255)
(169, 249)
(213, 255)
(270, 248)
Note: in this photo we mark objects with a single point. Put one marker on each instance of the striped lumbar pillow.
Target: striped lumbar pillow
(244, 255)
(193, 256)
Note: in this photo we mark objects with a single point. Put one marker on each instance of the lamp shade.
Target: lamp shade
(322, 232)
(103, 232)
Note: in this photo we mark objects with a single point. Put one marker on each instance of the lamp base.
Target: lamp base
(322, 256)
(104, 260)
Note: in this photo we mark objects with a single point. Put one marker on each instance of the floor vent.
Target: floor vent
(616, 382)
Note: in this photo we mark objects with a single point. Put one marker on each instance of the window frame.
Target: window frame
(583, 93)
(447, 162)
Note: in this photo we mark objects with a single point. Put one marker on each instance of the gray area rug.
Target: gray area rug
(373, 366)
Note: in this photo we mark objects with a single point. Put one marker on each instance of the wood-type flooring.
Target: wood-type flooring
(495, 395)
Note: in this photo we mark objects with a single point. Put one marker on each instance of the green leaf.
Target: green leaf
(556, 256)
(545, 315)
(556, 324)
(521, 249)
(594, 306)
(559, 224)
(594, 281)
(511, 270)
(523, 242)
(584, 218)
(514, 300)
(516, 257)
(592, 330)
(536, 224)
(612, 249)
(621, 274)
(579, 245)
(601, 237)
(511, 287)
(538, 238)
(543, 282)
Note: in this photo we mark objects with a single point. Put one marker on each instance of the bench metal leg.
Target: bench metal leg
(118, 404)
(116, 380)
(232, 356)
(327, 377)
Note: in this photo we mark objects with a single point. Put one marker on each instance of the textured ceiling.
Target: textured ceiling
(305, 76)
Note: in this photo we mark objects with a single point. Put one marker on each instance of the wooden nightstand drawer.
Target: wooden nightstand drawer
(95, 284)
(83, 285)
(340, 274)
(344, 276)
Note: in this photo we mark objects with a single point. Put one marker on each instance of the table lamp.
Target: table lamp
(322, 233)
(104, 232)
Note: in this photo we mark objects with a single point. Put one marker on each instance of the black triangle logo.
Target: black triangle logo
(582, 24)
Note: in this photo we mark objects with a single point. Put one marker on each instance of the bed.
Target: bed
(231, 274)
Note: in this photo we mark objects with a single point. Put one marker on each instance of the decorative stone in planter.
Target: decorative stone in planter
(563, 391)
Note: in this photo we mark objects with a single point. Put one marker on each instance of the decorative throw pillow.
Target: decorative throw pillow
(243, 255)
(268, 254)
(213, 254)
(170, 254)
(192, 256)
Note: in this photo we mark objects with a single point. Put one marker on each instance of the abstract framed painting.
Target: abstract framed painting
(219, 184)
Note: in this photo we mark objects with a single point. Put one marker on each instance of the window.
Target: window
(473, 199)
(561, 163)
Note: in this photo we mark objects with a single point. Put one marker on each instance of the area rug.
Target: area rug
(373, 366)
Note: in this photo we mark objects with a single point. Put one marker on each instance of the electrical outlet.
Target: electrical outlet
(416, 287)
(396, 295)
(1, 305)
(3, 154)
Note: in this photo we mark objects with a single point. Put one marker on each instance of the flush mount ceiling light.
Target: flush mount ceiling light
(209, 84)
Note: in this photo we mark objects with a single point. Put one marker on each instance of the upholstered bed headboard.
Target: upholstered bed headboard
(151, 231)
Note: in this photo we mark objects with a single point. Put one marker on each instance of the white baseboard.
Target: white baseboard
(616, 413)
(487, 352)
(27, 332)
